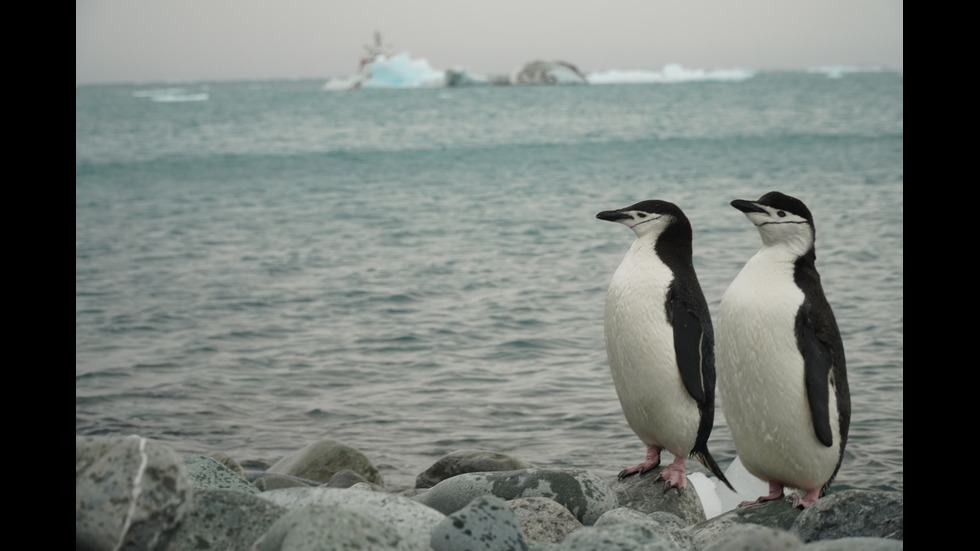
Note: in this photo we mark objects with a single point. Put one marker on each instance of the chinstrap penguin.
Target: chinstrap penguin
(782, 378)
(660, 342)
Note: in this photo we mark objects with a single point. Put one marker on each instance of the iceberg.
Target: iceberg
(671, 72)
(401, 71)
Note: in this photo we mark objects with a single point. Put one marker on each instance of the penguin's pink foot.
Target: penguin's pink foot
(775, 492)
(652, 462)
(807, 500)
(674, 475)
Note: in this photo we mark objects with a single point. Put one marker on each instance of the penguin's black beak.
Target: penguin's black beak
(747, 206)
(612, 215)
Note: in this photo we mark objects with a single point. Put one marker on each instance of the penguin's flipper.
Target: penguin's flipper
(817, 362)
(689, 338)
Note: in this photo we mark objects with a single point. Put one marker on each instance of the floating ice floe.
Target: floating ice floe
(173, 94)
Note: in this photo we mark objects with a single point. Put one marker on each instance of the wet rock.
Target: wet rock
(853, 513)
(412, 521)
(321, 460)
(206, 472)
(130, 493)
(319, 527)
(224, 519)
(543, 519)
(583, 493)
(467, 461)
(486, 523)
(646, 494)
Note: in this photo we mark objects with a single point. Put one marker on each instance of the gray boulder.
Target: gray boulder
(131, 493)
(412, 521)
(853, 513)
(646, 494)
(224, 519)
(206, 472)
(271, 481)
(486, 523)
(856, 544)
(228, 461)
(625, 536)
(583, 493)
(319, 527)
(345, 479)
(321, 460)
(778, 514)
(543, 519)
(669, 528)
(848, 514)
(752, 537)
(467, 461)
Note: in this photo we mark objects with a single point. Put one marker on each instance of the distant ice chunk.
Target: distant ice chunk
(401, 71)
(672, 72)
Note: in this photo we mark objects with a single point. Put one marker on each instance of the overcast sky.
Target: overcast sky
(165, 40)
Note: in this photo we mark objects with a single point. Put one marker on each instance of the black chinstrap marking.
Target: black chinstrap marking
(649, 220)
(786, 222)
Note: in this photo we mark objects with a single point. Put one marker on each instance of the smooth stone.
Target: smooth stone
(345, 479)
(667, 526)
(321, 460)
(321, 527)
(350, 479)
(467, 461)
(779, 514)
(207, 472)
(484, 524)
(626, 535)
(228, 461)
(256, 476)
(853, 513)
(752, 537)
(856, 544)
(544, 519)
(646, 494)
(130, 493)
(583, 493)
(412, 521)
(225, 519)
(278, 481)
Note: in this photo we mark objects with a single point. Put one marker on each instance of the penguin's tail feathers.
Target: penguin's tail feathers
(704, 458)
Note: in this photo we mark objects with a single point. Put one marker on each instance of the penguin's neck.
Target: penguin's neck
(641, 262)
(644, 248)
(780, 240)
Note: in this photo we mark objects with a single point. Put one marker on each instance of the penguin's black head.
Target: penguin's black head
(646, 216)
(779, 218)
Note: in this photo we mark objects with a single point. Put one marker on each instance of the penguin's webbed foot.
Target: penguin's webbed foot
(807, 500)
(775, 492)
(640, 469)
(651, 463)
(674, 476)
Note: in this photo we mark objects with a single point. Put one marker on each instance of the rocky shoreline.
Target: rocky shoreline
(139, 494)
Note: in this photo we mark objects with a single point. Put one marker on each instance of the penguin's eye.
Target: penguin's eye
(781, 214)
(641, 214)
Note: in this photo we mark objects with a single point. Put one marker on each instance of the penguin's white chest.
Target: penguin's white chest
(640, 346)
(761, 379)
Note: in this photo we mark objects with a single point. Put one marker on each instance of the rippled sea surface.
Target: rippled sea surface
(413, 272)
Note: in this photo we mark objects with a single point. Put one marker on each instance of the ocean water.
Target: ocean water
(262, 265)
